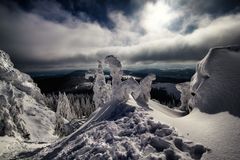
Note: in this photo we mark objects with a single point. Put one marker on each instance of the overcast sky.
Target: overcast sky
(73, 34)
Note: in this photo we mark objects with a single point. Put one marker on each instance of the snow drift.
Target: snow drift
(215, 86)
(214, 96)
(134, 136)
(22, 110)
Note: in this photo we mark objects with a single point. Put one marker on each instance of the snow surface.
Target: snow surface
(219, 132)
(215, 90)
(133, 136)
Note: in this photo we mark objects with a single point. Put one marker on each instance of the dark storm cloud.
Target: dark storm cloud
(74, 34)
(86, 10)
(214, 8)
(68, 62)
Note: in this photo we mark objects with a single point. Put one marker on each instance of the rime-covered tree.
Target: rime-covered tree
(59, 127)
(184, 88)
(100, 87)
(63, 107)
(116, 73)
(146, 86)
(130, 86)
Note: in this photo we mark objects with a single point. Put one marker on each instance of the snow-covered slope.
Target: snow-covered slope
(23, 113)
(214, 121)
(126, 135)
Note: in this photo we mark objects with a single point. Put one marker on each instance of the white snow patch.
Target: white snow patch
(135, 136)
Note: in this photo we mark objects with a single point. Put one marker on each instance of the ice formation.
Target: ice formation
(215, 86)
(22, 110)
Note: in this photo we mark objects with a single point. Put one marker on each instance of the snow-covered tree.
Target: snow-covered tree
(130, 86)
(63, 107)
(88, 107)
(146, 86)
(116, 73)
(100, 87)
(184, 88)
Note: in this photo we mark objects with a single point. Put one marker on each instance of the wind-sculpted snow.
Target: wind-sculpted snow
(134, 136)
(22, 110)
(215, 86)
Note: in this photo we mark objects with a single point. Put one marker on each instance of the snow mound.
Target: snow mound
(22, 110)
(215, 86)
(214, 96)
(134, 136)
